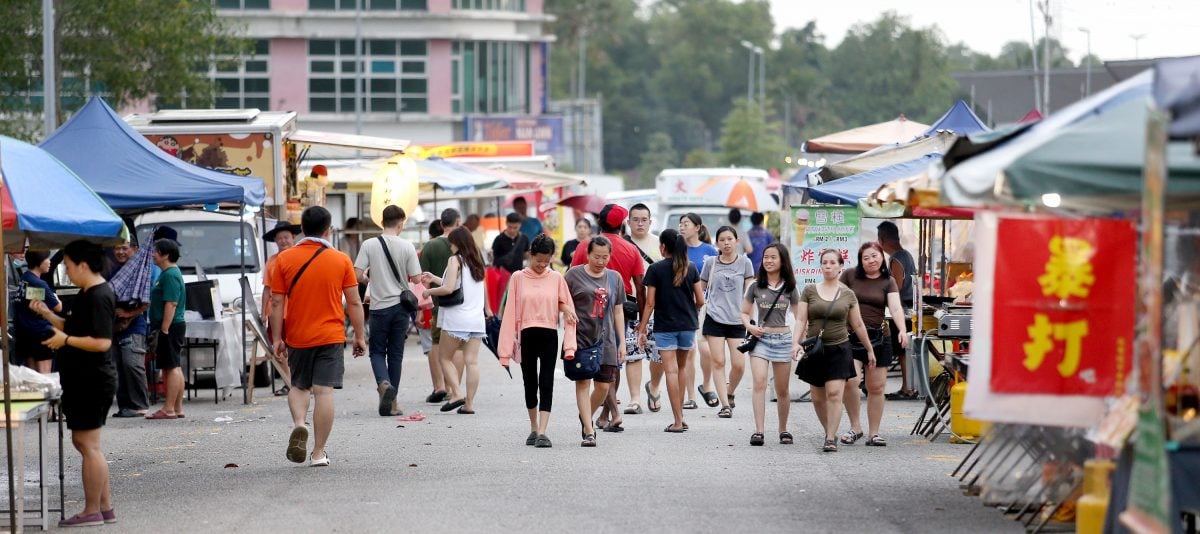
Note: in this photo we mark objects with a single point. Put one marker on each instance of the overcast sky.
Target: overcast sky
(1171, 27)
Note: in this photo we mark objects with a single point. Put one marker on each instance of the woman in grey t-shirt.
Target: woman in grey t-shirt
(725, 278)
(773, 296)
(598, 294)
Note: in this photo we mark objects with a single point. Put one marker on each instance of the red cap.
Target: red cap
(614, 215)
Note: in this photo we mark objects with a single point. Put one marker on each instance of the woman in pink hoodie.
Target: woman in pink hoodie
(535, 297)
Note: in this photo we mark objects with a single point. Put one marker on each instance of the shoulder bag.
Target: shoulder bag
(407, 298)
(304, 268)
(752, 341)
(814, 346)
(877, 337)
(455, 298)
(585, 365)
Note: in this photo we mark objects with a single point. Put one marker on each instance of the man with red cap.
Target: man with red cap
(627, 261)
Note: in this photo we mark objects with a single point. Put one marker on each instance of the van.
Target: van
(679, 193)
(212, 244)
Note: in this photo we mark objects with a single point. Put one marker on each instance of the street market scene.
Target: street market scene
(611, 265)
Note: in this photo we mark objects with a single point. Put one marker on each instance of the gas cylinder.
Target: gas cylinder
(960, 424)
(1092, 506)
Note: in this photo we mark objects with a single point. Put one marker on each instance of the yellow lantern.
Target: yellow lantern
(395, 183)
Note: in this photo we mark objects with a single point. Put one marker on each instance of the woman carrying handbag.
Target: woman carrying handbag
(875, 290)
(597, 292)
(462, 303)
(772, 343)
(828, 311)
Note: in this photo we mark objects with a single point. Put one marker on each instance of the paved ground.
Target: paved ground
(460, 473)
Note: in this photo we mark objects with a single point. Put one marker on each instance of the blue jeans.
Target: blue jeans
(389, 331)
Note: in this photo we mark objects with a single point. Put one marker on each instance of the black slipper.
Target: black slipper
(673, 430)
(452, 405)
(710, 397)
(614, 427)
(465, 411)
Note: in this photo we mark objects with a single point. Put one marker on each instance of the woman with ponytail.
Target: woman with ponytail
(673, 288)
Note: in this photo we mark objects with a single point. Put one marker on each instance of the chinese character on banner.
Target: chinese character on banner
(808, 256)
(1063, 308)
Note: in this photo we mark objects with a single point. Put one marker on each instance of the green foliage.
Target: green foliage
(748, 140)
(130, 50)
(699, 158)
(660, 154)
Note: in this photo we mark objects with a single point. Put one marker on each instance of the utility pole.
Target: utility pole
(582, 62)
(1045, 7)
(762, 79)
(1037, 90)
(1088, 84)
(1137, 38)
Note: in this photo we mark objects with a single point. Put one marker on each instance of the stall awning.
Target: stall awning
(864, 138)
(351, 141)
(850, 189)
(960, 120)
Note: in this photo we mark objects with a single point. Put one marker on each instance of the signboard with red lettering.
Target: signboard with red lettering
(816, 228)
(1062, 312)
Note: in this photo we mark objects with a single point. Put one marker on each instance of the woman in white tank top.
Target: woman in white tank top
(462, 324)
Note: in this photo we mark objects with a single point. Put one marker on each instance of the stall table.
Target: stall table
(223, 336)
(25, 412)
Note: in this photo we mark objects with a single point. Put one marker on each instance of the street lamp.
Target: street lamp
(1088, 84)
(762, 78)
(1136, 39)
(750, 77)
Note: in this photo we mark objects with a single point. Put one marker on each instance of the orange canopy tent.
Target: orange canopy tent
(864, 138)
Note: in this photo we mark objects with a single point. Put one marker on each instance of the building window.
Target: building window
(489, 77)
(394, 76)
(243, 4)
(491, 5)
(369, 5)
(243, 82)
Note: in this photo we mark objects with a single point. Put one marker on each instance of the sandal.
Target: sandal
(757, 439)
(876, 441)
(633, 409)
(902, 396)
(710, 397)
(614, 427)
(689, 405)
(655, 403)
(830, 446)
(674, 430)
(851, 437)
(588, 441)
(785, 438)
(725, 413)
(162, 415)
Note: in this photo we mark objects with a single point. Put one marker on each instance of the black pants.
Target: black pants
(539, 345)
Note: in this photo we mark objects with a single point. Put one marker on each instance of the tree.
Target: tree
(801, 82)
(886, 68)
(1018, 55)
(659, 155)
(748, 140)
(698, 159)
(125, 50)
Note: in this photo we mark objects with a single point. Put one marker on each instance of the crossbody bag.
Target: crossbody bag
(407, 298)
(752, 340)
(585, 365)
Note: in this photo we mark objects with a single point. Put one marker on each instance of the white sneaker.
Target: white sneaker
(323, 462)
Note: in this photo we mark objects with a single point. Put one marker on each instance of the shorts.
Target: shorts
(632, 353)
(608, 374)
(464, 336)
(426, 336)
(29, 346)
(883, 349)
(713, 328)
(322, 365)
(85, 403)
(685, 340)
(170, 346)
(775, 348)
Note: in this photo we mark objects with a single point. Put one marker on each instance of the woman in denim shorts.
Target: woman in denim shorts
(673, 288)
(772, 297)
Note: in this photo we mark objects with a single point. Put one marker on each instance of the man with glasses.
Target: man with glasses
(647, 247)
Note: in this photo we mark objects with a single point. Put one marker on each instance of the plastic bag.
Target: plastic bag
(30, 384)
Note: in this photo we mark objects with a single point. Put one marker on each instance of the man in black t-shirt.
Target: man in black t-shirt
(511, 246)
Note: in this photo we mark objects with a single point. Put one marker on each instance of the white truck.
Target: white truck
(679, 193)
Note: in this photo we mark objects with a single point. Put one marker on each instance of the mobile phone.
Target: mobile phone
(35, 293)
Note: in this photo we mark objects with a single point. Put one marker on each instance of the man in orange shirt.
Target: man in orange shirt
(310, 280)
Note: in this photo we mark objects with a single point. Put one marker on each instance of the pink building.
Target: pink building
(426, 64)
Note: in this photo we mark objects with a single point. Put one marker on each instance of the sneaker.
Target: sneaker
(297, 447)
(83, 520)
(323, 462)
(110, 516)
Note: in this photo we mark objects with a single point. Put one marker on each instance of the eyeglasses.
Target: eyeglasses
(639, 220)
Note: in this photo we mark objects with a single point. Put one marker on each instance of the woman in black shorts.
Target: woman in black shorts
(88, 375)
(875, 290)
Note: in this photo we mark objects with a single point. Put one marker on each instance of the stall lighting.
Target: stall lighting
(395, 183)
(1052, 200)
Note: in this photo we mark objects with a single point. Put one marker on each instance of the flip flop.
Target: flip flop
(674, 430)
(710, 397)
(655, 403)
(452, 405)
(161, 415)
(614, 427)
(633, 409)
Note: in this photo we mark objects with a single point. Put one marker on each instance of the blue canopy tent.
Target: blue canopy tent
(960, 120)
(850, 189)
(130, 173)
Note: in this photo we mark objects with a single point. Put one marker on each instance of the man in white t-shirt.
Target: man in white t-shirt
(388, 262)
(647, 244)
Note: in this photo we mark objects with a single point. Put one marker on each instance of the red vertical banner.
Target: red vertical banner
(1063, 313)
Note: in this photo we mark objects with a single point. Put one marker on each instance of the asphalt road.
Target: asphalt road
(473, 473)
